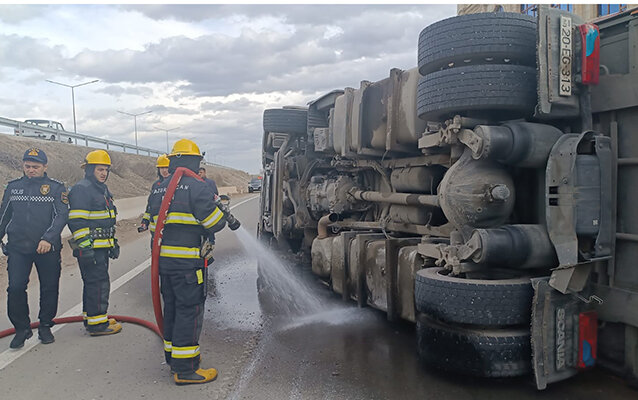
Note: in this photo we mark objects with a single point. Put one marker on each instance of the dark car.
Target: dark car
(254, 185)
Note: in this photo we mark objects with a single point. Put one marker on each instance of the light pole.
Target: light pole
(135, 119)
(72, 96)
(167, 130)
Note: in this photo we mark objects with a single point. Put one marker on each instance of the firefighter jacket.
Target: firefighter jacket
(33, 209)
(146, 218)
(92, 215)
(192, 217)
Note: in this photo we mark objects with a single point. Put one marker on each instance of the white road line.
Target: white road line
(10, 355)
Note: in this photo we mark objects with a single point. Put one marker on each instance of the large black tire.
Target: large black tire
(491, 353)
(493, 38)
(286, 120)
(498, 92)
(316, 119)
(473, 301)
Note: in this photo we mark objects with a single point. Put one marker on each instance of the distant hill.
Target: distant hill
(131, 174)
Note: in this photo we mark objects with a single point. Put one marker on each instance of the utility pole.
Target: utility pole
(75, 130)
(167, 130)
(135, 121)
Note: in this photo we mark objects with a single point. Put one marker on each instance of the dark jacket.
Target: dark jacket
(92, 214)
(212, 185)
(33, 209)
(192, 217)
(146, 218)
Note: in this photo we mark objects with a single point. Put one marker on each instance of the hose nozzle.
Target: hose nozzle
(233, 223)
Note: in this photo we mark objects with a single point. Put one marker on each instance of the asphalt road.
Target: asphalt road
(292, 339)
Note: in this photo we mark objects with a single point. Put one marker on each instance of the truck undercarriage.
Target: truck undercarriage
(485, 195)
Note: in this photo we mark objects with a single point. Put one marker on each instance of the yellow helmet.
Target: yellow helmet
(97, 157)
(162, 161)
(185, 147)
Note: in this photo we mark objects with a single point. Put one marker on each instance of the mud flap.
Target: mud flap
(557, 343)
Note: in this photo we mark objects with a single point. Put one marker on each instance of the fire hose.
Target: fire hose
(157, 328)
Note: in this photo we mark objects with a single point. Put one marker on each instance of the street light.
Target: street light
(135, 119)
(167, 130)
(72, 96)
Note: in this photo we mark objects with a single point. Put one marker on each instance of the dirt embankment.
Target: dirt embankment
(131, 174)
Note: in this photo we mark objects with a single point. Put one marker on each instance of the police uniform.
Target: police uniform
(192, 217)
(33, 209)
(92, 217)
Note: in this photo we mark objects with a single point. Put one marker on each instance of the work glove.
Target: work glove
(206, 250)
(114, 252)
(5, 251)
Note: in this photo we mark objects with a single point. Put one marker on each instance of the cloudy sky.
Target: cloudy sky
(210, 70)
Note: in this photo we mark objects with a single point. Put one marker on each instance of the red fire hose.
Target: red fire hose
(155, 291)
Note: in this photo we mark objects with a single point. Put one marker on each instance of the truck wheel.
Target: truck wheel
(291, 120)
(316, 119)
(473, 301)
(486, 38)
(498, 92)
(489, 353)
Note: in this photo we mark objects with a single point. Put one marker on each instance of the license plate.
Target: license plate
(565, 74)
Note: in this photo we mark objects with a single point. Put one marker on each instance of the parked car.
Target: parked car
(254, 185)
(31, 128)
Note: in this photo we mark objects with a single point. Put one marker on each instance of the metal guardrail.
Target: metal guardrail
(63, 136)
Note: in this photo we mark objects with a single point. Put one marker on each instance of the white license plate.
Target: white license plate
(565, 73)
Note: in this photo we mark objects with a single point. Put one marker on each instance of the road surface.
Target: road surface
(275, 344)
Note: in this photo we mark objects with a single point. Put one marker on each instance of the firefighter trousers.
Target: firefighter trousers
(19, 267)
(183, 293)
(95, 293)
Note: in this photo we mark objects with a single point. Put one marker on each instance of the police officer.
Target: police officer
(191, 221)
(92, 224)
(33, 213)
(162, 172)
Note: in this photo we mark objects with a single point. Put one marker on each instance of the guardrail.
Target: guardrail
(63, 136)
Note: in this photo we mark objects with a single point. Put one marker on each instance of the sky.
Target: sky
(208, 70)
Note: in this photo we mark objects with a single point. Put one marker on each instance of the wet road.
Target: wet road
(295, 341)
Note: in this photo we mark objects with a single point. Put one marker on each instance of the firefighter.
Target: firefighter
(162, 173)
(92, 224)
(33, 213)
(191, 221)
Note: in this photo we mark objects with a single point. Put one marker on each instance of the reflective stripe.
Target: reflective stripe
(80, 233)
(146, 216)
(97, 319)
(86, 214)
(213, 218)
(168, 346)
(73, 214)
(181, 218)
(85, 244)
(185, 352)
(179, 252)
(102, 243)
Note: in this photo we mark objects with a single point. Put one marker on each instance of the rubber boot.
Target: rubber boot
(45, 335)
(18, 340)
(113, 328)
(199, 376)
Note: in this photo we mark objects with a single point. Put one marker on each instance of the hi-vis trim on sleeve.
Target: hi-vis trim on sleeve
(75, 213)
(97, 319)
(103, 243)
(80, 233)
(181, 218)
(168, 346)
(213, 218)
(179, 252)
(153, 223)
(86, 214)
(185, 352)
(146, 216)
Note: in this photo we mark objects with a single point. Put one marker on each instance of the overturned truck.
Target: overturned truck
(486, 195)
